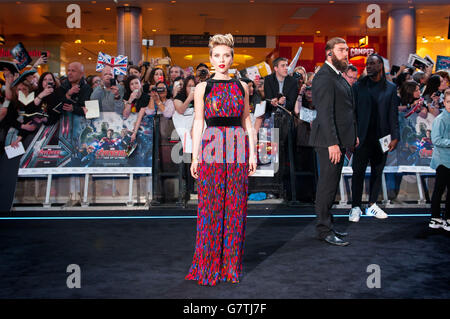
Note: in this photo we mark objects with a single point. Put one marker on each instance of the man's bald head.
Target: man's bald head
(107, 74)
(75, 72)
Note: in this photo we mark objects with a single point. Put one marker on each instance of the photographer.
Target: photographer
(159, 101)
(74, 89)
(201, 73)
(109, 95)
(300, 75)
(176, 87)
(134, 98)
(175, 72)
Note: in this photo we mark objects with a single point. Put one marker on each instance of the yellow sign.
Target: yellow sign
(363, 42)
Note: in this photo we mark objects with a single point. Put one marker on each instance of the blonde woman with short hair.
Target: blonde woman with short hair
(223, 158)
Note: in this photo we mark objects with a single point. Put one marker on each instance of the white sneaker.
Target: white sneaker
(447, 225)
(376, 211)
(355, 213)
(437, 223)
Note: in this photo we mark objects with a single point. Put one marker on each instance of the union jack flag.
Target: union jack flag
(119, 63)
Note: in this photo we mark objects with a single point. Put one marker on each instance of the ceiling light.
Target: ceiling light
(317, 31)
(150, 9)
(78, 41)
(424, 40)
(173, 1)
(94, 2)
(107, 9)
(437, 37)
(153, 30)
(331, 1)
(101, 41)
(79, 53)
(89, 58)
(442, 39)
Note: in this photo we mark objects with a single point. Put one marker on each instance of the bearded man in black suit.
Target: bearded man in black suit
(333, 131)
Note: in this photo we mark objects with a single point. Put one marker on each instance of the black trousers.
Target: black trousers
(327, 187)
(369, 152)
(441, 183)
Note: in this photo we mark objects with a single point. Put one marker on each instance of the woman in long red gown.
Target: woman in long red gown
(221, 165)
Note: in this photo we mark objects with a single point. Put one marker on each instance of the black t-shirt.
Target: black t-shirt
(375, 88)
(182, 97)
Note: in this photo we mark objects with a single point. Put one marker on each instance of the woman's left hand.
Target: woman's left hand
(252, 165)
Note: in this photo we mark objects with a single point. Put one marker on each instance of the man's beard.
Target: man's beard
(340, 65)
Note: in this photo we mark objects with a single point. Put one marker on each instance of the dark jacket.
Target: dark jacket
(272, 89)
(388, 103)
(79, 98)
(12, 117)
(335, 123)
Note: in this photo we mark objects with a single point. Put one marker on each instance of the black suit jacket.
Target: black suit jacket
(272, 88)
(388, 103)
(335, 123)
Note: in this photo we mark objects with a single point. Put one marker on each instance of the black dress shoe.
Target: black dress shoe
(340, 234)
(334, 240)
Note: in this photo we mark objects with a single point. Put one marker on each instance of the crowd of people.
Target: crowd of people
(29, 100)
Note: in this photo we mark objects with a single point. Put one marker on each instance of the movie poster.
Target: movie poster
(415, 147)
(101, 145)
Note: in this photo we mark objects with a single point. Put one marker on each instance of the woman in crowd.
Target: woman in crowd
(93, 81)
(184, 100)
(410, 97)
(433, 93)
(157, 75)
(163, 104)
(134, 98)
(48, 99)
(176, 87)
(21, 123)
(134, 70)
(302, 71)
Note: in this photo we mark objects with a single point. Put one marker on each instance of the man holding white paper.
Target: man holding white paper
(376, 103)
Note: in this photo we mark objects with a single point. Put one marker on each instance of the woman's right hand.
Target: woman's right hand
(133, 137)
(133, 96)
(194, 169)
(191, 95)
(15, 144)
(47, 92)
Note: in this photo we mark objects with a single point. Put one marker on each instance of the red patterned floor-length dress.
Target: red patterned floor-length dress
(222, 190)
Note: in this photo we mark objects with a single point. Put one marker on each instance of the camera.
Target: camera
(112, 82)
(51, 84)
(158, 90)
(203, 73)
(298, 76)
(308, 88)
(146, 64)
